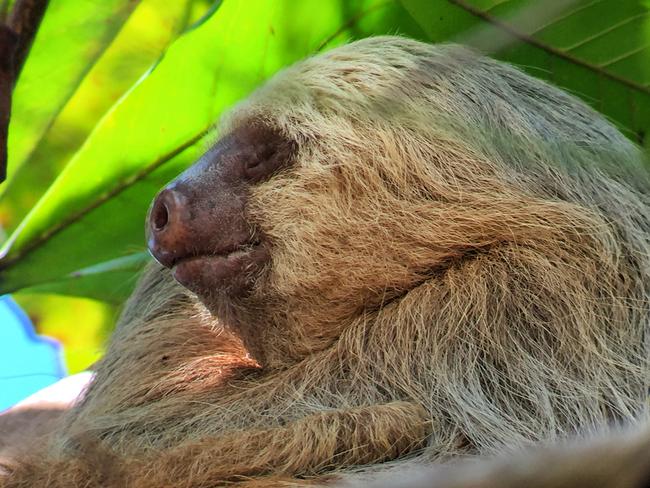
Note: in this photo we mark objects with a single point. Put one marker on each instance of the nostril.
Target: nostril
(169, 228)
(160, 216)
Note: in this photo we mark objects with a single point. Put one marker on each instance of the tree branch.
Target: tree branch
(8, 43)
(16, 37)
(24, 20)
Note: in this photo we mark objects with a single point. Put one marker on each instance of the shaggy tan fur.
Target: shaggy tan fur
(460, 265)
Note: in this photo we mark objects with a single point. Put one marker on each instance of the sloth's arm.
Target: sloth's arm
(306, 447)
(354, 436)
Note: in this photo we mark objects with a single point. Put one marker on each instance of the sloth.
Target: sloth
(394, 253)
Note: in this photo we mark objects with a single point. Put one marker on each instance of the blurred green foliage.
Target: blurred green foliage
(80, 324)
(117, 97)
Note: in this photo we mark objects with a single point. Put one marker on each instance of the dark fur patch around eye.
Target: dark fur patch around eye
(265, 150)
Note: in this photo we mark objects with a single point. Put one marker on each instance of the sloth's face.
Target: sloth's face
(261, 222)
(198, 225)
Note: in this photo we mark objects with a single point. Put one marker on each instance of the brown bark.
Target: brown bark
(8, 42)
(16, 37)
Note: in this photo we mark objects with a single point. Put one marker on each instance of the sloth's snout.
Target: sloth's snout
(168, 232)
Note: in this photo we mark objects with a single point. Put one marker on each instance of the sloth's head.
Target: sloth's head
(354, 176)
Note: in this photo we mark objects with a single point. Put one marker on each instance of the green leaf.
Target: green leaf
(139, 43)
(95, 209)
(110, 281)
(597, 50)
(70, 39)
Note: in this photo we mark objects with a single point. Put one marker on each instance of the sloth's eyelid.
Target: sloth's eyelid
(253, 162)
(267, 151)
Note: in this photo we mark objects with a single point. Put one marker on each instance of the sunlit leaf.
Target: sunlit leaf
(71, 37)
(139, 43)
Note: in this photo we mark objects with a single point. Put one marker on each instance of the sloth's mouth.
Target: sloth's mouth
(231, 269)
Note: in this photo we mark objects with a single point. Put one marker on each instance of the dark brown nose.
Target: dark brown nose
(168, 232)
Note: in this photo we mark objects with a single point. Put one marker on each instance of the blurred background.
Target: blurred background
(117, 96)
